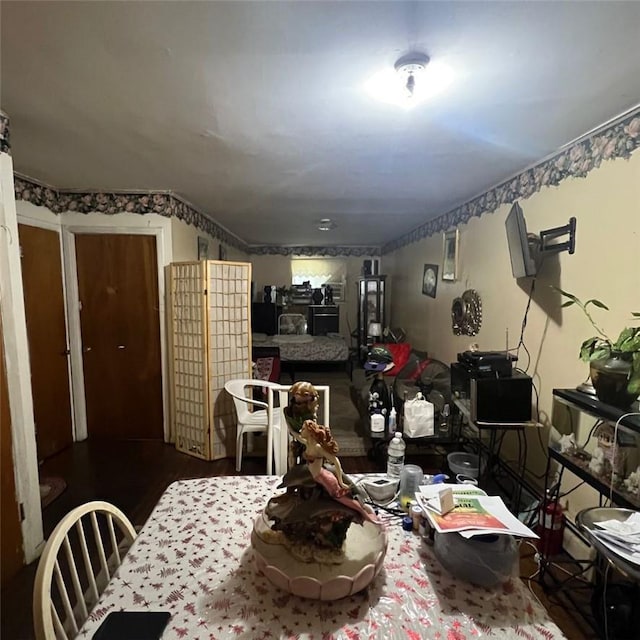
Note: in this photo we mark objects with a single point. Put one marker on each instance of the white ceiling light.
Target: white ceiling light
(326, 224)
(413, 80)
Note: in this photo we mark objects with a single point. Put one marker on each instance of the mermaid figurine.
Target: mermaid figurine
(320, 502)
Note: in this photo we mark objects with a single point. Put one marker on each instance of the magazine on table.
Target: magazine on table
(473, 514)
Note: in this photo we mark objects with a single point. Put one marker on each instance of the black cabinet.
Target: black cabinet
(323, 319)
(264, 317)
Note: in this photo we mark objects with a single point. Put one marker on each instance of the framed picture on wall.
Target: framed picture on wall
(203, 248)
(450, 255)
(430, 280)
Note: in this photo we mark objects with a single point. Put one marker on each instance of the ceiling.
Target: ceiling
(255, 113)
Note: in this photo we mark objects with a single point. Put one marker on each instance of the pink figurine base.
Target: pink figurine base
(364, 551)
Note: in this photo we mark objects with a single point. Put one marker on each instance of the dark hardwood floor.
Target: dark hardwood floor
(133, 475)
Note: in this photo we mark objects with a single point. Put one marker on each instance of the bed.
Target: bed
(297, 348)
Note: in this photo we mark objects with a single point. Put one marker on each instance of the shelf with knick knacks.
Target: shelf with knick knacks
(611, 467)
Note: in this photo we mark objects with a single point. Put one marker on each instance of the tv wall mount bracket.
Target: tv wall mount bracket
(545, 242)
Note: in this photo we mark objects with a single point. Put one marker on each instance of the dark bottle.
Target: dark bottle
(379, 403)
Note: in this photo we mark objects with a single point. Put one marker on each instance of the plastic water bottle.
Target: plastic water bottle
(395, 456)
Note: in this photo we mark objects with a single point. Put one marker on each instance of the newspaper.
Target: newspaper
(621, 537)
(474, 514)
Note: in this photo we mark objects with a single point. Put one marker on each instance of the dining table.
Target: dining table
(193, 558)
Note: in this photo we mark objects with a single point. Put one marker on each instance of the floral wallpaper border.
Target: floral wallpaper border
(620, 140)
(5, 146)
(334, 251)
(162, 203)
(159, 202)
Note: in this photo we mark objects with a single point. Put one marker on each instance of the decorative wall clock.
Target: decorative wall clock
(430, 280)
(466, 314)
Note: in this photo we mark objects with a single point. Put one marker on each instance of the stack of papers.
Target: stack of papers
(474, 513)
(621, 537)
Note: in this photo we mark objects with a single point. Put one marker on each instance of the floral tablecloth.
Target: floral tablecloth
(193, 559)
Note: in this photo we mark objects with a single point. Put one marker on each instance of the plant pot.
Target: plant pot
(610, 377)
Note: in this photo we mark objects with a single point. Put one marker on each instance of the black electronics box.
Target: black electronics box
(497, 393)
(487, 363)
(501, 400)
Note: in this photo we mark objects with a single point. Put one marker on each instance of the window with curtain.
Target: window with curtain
(320, 271)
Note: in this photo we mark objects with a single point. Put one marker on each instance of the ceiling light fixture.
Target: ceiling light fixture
(414, 79)
(408, 67)
(326, 224)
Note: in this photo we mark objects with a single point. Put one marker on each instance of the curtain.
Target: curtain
(318, 271)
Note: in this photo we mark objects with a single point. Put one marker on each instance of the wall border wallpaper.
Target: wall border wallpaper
(163, 203)
(619, 140)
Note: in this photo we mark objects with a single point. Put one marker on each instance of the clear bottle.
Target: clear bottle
(395, 456)
(392, 420)
(444, 420)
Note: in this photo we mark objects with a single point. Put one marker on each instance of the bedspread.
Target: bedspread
(317, 349)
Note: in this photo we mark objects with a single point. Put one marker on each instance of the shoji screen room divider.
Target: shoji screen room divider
(210, 343)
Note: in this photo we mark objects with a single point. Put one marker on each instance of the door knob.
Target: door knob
(120, 346)
(86, 349)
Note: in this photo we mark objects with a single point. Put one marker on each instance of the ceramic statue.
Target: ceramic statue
(320, 519)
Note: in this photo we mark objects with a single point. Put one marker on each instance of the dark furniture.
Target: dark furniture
(371, 308)
(612, 492)
(323, 319)
(264, 317)
(579, 466)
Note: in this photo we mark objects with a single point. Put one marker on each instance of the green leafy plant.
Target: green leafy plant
(600, 346)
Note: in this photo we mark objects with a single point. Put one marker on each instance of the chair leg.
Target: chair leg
(239, 448)
(270, 449)
(280, 445)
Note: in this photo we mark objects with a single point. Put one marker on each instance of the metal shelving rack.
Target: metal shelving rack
(617, 496)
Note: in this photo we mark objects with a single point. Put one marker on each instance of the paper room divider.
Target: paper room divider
(209, 343)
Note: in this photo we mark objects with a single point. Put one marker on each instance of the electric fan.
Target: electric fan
(430, 377)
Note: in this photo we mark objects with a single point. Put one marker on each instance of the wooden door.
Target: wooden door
(12, 557)
(47, 335)
(118, 290)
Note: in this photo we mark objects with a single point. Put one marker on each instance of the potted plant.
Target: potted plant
(614, 364)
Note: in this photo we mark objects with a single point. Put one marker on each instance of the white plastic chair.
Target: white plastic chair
(76, 565)
(257, 416)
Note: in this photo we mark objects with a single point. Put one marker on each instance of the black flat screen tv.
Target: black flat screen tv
(523, 263)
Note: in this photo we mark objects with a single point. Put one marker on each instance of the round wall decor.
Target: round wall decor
(466, 313)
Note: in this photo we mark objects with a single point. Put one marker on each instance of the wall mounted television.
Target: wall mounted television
(523, 263)
(527, 250)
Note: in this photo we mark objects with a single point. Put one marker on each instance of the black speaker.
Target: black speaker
(366, 268)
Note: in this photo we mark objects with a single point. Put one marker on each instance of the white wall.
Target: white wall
(14, 332)
(185, 244)
(606, 266)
